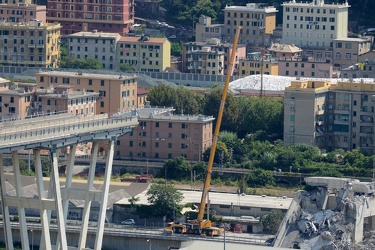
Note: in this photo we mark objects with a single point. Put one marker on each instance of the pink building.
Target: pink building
(305, 68)
(164, 135)
(115, 16)
(214, 45)
(22, 12)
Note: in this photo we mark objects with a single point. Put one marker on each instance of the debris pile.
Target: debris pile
(336, 214)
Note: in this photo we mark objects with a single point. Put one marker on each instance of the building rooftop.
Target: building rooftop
(228, 199)
(95, 34)
(316, 3)
(30, 24)
(160, 113)
(284, 48)
(88, 75)
(128, 39)
(214, 42)
(73, 95)
(251, 7)
(353, 39)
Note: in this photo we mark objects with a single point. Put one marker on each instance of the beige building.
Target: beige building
(144, 53)
(204, 30)
(30, 44)
(315, 24)
(164, 135)
(98, 45)
(254, 21)
(251, 65)
(116, 92)
(330, 115)
(347, 51)
(195, 56)
(22, 12)
(62, 99)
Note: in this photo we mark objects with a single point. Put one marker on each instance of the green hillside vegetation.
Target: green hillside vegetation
(185, 11)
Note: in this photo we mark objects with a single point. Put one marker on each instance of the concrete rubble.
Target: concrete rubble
(336, 214)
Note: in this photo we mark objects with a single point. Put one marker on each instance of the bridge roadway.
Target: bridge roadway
(53, 133)
(63, 130)
(117, 236)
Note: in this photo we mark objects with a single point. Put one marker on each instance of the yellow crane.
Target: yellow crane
(200, 225)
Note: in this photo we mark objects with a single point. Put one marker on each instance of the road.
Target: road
(153, 233)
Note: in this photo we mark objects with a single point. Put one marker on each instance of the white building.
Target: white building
(98, 45)
(314, 24)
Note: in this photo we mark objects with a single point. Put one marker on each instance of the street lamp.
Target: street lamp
(300, 176)
(32, 240)
(290, 169)
(149, 244)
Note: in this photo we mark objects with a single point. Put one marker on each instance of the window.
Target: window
(12, 99)
(169, 145)
(156, 124)
(170, 125)
(169, 135)
(130, 143)
(292, 118)
(101, 82)
(156, 144)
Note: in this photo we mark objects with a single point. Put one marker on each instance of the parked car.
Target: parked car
(128, 222)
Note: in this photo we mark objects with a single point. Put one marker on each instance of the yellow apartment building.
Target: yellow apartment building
(254, 20)
(329, 115)
(144, 53)
(164, 135)
(116, 92)
(30, 44)
(252, 65)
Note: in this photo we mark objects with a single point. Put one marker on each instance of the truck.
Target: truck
(201, 226)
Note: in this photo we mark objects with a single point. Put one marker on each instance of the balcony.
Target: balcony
(31, 45)
(40, 45)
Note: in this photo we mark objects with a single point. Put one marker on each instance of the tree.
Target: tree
(231, 110)
(184, 102)
(221, 153)
(164, 200)
(133, 200)
(176, 49)
(161, 95)
(260, 177)
(177, 169)
(126, 67)
(71, 62)
(271, 222)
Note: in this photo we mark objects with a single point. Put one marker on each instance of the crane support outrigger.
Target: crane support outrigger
(201, 226)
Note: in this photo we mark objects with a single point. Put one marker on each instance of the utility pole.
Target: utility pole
(262, 28)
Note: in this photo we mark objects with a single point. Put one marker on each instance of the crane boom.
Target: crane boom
(217, 129)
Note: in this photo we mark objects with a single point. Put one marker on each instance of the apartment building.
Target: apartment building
(284, 51)
(347, 51)
(195, 55)
(115, 16)
(205, 30)
(22, 12)
(63, 99)
(258, 23)
(252, 64)
(205, 61)
(314, 24)
(144, 53)
(15, 102)
(30, 44)
(116, 92)
(305, 67)
(359, 70)
(330, 115)
(164, 135)
(98, 45)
